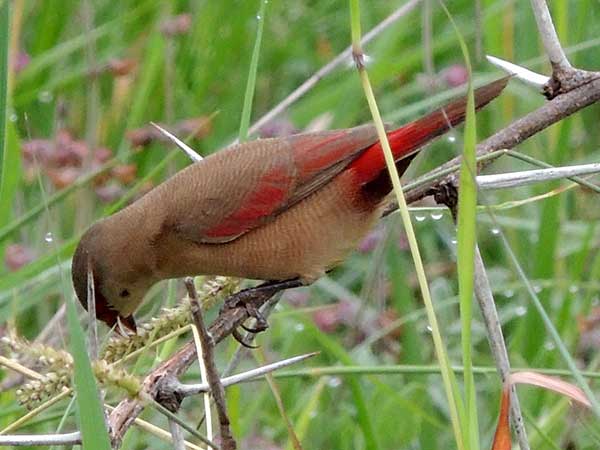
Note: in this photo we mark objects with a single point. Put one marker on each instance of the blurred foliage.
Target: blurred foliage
(84, 92)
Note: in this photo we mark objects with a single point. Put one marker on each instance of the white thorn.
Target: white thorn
(259, 371)
(514, 179)
(520, 72)
(190, 152)
(190, 389)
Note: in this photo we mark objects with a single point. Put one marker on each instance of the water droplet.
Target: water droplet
(258, 17)
(13, 117)
(451, 138)
(437, 216)
(45, 96)
(48, 237)
(428, 328)
(573, 289)
(453, 241)
(495, 231)
(419, 218)
(537, 288)
(334, 382)
(299, 327)
(509, 293)
(520, 310)
(549, 345)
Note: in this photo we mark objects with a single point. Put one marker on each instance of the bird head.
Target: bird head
(119, 285)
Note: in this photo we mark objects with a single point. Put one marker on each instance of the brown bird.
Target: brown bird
(270, 209)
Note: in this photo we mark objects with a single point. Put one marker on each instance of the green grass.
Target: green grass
(555, 240)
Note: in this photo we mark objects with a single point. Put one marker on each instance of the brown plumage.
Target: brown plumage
(270, 209)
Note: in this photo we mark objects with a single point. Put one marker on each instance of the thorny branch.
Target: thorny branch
(564, 76)
(554, 50)
(485, 298)
(212, 375)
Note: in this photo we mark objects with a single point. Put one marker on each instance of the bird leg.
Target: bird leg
(261, 293)
(261, 322)
(250, 297)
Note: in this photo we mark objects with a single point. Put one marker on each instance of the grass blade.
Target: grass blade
(91, 416)
(466, 241)
(251, 84)
(9, 158)
(454, 400)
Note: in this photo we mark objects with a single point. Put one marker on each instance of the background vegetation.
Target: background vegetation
(87, 74)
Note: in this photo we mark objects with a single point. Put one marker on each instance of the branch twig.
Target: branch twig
(522, 73)
(208, 356)
(485, 298)
(178, 443)
(557, 56)
(525, 177)
(189, 151)
(41, 439)
(185, 390)
(564, 76)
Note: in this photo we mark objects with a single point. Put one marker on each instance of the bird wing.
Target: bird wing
(247, 185)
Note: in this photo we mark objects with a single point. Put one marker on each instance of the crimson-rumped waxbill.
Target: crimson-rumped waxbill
(269, 209)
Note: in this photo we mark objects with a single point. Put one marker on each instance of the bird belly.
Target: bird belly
(304, 241)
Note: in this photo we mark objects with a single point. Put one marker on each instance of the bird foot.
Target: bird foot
(248, 298)
(260, 293)
(242, 339)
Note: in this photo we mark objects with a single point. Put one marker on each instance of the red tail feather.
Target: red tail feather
(407, 139)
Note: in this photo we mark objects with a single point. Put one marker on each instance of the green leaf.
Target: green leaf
(91, 414)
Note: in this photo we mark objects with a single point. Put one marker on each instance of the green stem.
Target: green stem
(447, 375)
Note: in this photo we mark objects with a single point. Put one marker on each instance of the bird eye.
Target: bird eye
(124, 293)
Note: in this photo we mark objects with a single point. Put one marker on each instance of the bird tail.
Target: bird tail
(406, 140)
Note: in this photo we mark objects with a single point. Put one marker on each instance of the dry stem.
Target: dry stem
(212, 374)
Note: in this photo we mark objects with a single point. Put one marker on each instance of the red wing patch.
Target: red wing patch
(313, 160)
(270, 194)
(315, 154)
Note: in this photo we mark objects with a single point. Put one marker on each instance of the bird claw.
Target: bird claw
(261, 325)
(246, 298)
(255, 330)
(238, 337)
